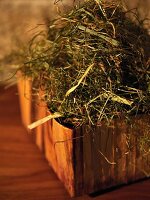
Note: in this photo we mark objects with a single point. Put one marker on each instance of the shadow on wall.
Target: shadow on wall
(141, 8)
(17, 18)
(20, 20)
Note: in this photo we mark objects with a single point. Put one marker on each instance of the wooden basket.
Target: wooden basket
(88, 161)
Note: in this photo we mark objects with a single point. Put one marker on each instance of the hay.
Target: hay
(92, 65)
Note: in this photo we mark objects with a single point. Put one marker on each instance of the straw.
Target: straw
(93, 65)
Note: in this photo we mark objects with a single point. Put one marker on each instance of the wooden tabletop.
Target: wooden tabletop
(24, 172)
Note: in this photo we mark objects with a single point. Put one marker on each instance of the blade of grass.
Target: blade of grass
(79, 81)
(101, 9)
(45, 119)
(117, 98)
(100, 35)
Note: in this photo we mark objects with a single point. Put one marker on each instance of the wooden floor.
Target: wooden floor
(25, 174)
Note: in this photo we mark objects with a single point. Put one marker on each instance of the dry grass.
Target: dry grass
(92, 65)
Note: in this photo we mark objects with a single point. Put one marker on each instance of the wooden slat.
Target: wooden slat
(24, 89)
(59, 152)
(78, 160)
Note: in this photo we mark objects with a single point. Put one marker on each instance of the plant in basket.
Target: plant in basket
(92, 71)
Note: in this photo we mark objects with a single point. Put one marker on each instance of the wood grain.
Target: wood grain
(25, 174)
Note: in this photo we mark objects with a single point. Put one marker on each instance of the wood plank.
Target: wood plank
(24, 89)
(59, 152)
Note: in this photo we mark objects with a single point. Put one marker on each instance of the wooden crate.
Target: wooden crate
(87, 161)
